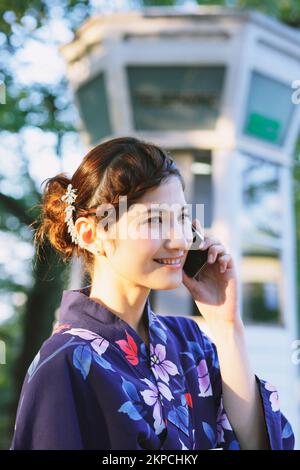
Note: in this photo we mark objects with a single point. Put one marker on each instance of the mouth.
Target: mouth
(169, 262)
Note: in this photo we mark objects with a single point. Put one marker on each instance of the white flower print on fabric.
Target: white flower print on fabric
(161, 367)
(204, 379)
(274, 397)
(151, 398)
(98, 343)
(222, 422)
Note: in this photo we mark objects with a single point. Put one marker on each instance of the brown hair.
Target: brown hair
(120, 166)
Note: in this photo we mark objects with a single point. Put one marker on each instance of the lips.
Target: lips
(169, 261)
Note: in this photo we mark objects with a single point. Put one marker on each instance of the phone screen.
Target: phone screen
(196, 258)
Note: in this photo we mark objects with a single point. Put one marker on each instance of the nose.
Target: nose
(179, 237)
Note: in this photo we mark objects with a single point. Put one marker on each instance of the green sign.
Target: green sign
(263, 127)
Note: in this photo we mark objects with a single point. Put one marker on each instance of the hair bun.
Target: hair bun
(52, 218)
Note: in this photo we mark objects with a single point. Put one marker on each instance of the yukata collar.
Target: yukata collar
(77, 308)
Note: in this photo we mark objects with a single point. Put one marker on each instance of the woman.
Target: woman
(114, 374)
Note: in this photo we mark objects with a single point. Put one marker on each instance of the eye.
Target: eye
(155, 219)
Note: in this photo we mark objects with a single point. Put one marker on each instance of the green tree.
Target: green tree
(46, 108)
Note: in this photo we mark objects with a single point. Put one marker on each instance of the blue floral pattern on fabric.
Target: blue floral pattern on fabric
(114, 392)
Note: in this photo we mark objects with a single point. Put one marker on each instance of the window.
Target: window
(93, 109)
(261, 289)
(262, 204)
(203, 189)
(260, 302)
(269, 109)
(175, 97)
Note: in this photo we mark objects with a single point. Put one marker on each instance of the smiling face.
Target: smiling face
(145, 237)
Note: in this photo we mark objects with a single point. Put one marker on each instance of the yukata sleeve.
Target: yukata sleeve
(280, 433)
(47, 417)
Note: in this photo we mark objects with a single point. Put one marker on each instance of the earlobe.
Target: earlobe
(98, 248)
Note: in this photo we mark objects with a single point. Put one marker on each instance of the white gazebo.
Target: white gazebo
(213, 86)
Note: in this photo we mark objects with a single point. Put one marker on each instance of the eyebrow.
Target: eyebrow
(157, 209)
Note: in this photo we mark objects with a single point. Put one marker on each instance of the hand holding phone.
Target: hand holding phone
(196, 258)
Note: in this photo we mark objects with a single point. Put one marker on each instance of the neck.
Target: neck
(122, 297)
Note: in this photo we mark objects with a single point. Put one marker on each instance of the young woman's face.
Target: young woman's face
(163, 234)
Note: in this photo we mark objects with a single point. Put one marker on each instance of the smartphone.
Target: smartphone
(196, 258)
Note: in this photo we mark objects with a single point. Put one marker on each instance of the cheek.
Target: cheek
(151, 248)
(136, 255)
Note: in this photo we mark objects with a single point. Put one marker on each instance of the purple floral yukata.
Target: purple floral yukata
(94, 384)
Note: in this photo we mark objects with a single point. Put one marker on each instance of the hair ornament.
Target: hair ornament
(69, 197)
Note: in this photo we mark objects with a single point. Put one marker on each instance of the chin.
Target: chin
(167, 284)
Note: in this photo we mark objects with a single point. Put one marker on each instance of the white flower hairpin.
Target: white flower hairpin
(69, 197)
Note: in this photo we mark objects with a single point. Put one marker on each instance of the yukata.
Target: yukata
(94, 384)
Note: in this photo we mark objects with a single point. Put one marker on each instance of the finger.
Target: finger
(189, 282)
(196, 223)
(208, 241)
(225, 262)
(214, 251)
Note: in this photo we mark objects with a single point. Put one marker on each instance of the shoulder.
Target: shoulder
(185, 326)
(58, 353)
(187, 329)
(49, 396)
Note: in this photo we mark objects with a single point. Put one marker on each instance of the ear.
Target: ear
(86, 232)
